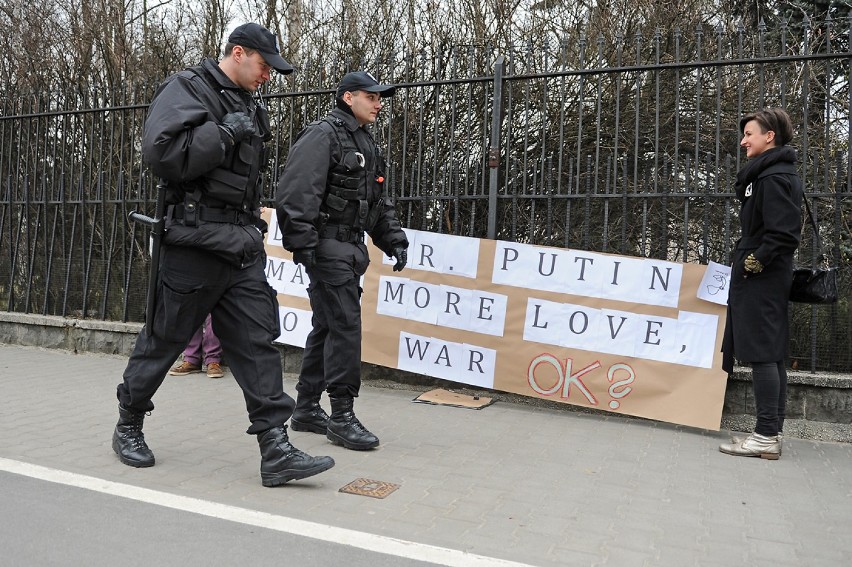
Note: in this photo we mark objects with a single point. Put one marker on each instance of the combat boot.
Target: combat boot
(280, 462)
(128, 441)
(309, 415)
(345, 429)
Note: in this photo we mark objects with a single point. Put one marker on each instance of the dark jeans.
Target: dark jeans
(770, 396)
(244, 313)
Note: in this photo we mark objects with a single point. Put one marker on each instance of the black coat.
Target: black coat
(183, 144)
(757, 328)
(303, 185)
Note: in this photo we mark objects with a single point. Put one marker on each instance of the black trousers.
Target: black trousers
(244, 310)
(332, 357)
(770, 396)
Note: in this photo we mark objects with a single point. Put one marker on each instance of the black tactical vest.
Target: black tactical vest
(354, 194)
(237, 182)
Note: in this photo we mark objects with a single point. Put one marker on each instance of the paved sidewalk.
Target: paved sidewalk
(532, 485)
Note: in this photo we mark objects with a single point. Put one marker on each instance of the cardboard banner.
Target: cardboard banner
(627, 335)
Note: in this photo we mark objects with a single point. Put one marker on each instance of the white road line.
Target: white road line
(361, 540)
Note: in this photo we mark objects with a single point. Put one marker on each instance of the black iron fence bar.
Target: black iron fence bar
(408, 85)
(614, 196)
(608, 194)
(435, 133)
(679, 65)
(554, 74)
(74, 111)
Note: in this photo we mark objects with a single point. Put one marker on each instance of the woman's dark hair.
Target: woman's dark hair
(775, 119)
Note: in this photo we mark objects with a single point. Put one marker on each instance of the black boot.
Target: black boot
(309, 415)
(128, 441)
(280, 462)
(345, 429)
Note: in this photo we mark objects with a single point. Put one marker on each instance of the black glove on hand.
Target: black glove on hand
(237, 125)
(401, 257)
(305, 256)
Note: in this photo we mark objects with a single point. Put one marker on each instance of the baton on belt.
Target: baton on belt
(157, 224)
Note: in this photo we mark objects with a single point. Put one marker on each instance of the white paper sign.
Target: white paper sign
(459, 362)
(586, 274)
(295, 325)
(273, 237)
(715, 283)
(441, 253)
(286, 277)
(688, 340)
(443, 305)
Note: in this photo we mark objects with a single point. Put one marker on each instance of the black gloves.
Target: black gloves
(237, 126)
(305, 256)
(401, 256)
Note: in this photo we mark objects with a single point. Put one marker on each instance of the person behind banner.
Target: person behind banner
(204, 349)
(330, 193)
(205, 135)
(757, 329)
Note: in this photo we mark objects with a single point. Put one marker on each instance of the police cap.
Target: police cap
(363, 81)
(257, 37)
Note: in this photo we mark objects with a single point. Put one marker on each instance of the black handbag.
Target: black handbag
(819, 283)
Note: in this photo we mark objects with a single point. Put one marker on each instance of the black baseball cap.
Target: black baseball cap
(363, 81)
(258, 37)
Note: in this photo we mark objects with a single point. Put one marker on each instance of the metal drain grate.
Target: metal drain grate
(371, 488)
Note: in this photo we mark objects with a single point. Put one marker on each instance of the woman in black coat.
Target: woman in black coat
(757, 330)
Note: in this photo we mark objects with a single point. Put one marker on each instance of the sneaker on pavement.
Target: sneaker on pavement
(755, 445)
(736, 439)
(185, 368)
(214, 370)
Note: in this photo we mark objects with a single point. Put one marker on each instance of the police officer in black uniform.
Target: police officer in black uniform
(331, 192)
(204, 136)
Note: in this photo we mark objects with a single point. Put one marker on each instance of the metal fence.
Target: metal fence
(625, 145)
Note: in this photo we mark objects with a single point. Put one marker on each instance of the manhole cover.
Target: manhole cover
(367, 487)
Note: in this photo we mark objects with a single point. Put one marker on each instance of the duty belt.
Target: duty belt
(212, 214)
(342, 233)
